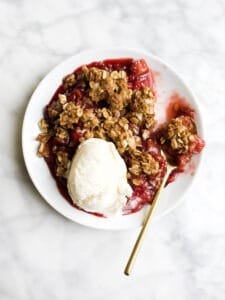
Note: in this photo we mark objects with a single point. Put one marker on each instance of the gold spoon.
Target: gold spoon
(146, 222)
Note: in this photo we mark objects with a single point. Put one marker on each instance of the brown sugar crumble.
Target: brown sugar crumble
(114, 100)
(124, 114)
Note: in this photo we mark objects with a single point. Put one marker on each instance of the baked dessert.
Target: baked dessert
(114, 101)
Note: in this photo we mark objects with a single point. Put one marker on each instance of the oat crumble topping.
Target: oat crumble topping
(114, 100)
(179, 133)
(125, 114)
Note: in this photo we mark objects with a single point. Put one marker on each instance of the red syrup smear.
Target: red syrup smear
(178, 106)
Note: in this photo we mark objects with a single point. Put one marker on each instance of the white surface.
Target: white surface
(166, 83)
(43, 255)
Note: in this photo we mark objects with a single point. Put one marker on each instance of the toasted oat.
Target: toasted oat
(54, 109)
(43, 125)
(62, 163)
(69, 80)
(143, 162)
(143, 101)
(136, 181)
(62, 135)
(179, 134)
(43, 137)
(124, 117)
(43, 150)
(70, 115)
(62, 99)
(149, 164)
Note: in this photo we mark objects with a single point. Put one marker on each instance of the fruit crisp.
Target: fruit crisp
(114, 100)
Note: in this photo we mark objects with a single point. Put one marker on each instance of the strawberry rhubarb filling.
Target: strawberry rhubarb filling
(113, 101)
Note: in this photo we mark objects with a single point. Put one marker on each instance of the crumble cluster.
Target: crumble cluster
(105, 108)
(179, 134)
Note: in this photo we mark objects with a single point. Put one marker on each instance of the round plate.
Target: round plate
(166, 80)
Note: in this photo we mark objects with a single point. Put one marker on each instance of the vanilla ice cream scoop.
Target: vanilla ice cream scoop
(97, 180)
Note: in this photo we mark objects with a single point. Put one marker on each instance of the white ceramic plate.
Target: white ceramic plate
(167, 81)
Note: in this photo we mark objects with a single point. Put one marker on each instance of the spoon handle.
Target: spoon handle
(146, 222)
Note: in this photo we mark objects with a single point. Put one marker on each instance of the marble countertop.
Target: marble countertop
(45, 256)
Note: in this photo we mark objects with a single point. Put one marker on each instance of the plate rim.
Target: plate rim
(140, 52)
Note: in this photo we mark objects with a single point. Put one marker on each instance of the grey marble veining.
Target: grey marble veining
(43, 255)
